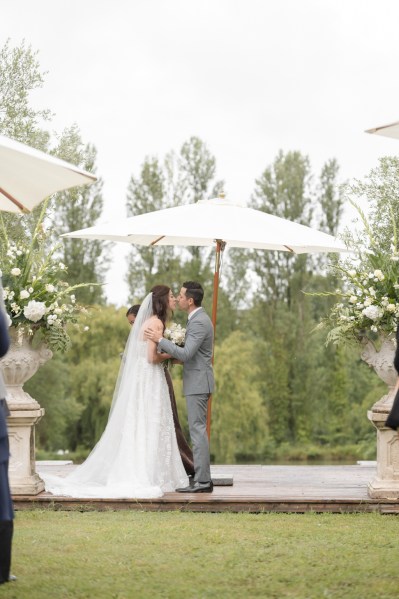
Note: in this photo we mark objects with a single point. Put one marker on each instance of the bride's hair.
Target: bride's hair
(160, 302)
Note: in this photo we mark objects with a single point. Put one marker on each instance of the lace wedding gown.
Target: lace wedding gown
(137, 455)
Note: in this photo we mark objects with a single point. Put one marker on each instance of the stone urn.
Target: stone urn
(19, 364)
(386, 483)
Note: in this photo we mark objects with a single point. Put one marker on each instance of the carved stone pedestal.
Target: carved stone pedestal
(21, 433)
(18, 365)
(386, 484)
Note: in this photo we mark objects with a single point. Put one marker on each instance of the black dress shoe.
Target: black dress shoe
(197, 488)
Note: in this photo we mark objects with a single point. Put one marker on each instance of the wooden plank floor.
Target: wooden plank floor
(256, 489)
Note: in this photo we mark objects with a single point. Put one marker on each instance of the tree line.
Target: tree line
(280, 392)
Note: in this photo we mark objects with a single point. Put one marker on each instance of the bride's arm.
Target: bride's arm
(152, 355)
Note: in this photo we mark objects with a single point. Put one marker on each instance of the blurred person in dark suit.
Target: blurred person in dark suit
(6, 508)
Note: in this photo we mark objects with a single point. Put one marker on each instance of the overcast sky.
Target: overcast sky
(249, 77)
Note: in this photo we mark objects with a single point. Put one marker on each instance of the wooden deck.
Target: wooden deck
(256, 489)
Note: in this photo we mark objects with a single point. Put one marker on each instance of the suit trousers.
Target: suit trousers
(197, 406)
(6, 530)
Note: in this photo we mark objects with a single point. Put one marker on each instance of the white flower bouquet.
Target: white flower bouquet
(177, 334)
(38, 300)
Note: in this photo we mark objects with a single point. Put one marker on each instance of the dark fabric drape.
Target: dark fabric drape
(185, 452)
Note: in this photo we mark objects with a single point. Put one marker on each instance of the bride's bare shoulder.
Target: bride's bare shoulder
(155, 322)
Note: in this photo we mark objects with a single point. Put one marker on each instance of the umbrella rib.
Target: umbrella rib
(289, 249)
(156, 240)
(13, 200)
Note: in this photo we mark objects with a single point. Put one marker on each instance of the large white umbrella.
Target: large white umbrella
(391, 130)
(206, 221)
(27, 176)
(216, 222)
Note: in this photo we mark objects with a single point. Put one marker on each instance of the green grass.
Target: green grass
(175, 555)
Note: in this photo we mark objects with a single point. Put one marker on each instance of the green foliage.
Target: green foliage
(330, 197)
(76, 209)
(239, 417)
(20, 74)
(49, 387)
(380, 189)
(283, 190)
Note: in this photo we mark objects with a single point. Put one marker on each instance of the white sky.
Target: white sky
(249, 77)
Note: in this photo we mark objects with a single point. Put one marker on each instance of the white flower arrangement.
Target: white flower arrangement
(37, 299)
(368, 306)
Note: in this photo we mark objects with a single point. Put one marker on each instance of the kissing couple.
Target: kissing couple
(137, 455)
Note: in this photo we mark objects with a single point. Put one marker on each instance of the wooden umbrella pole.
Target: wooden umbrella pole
(220, 245)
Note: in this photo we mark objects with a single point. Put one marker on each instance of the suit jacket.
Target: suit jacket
(196, 354)
(4, 340)
(396, 357)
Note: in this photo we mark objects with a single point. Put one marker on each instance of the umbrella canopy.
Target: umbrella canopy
(205, 222)
(391, 130)
(216, 221)
(27, 176)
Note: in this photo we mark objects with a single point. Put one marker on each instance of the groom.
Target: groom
(198, 381)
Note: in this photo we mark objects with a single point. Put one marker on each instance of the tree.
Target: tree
(381, 188)
(49, 387)
(283, 316)
(283, 190)
(239, 417)
(178, 179)
(147, 193)
(330, 197)
(19, 75)
(75, 209)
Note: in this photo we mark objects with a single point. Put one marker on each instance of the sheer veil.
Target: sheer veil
(133, 349)
(104, 453)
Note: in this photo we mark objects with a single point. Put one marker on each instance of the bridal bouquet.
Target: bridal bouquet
(38, 300)
(176, 334)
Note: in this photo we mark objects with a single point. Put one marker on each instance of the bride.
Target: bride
(137, 455)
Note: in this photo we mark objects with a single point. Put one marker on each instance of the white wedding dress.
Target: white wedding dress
(137, 455)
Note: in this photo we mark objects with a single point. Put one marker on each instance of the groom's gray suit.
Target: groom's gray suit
(198, 383)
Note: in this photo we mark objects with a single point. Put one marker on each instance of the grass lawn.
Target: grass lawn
(175, 555)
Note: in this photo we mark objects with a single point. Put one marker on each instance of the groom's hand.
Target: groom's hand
(152, 335)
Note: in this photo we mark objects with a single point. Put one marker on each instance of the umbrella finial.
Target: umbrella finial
(221, 195)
